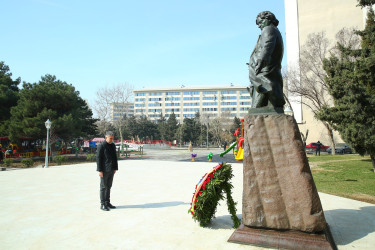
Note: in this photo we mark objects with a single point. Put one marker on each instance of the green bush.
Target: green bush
(27, 162)
(8, 162)
(91, 157)
(59, 159)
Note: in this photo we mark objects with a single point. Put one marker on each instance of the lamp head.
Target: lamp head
(48, 124)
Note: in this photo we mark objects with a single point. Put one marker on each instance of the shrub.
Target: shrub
(91, 157)
(27, 162)
(59, 159)
(8, 162)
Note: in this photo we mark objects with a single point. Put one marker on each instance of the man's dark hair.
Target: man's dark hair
(109, 133)
(269, 16)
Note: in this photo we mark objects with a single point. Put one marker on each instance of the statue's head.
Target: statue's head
(266, 18)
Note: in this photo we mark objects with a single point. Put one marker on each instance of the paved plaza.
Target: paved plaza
(58, 208)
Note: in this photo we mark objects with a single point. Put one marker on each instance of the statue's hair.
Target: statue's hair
(269, 16)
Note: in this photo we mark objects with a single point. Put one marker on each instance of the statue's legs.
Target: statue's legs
(259, 100)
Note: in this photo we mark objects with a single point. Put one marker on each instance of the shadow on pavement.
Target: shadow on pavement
(155, 205)
(223, 222)
(361, 224)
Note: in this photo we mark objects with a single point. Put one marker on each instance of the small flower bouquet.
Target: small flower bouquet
(193, 156)
(209, 157)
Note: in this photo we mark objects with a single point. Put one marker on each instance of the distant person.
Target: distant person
(225, 145)
(107, 165)
(1, 155)
(317, 149)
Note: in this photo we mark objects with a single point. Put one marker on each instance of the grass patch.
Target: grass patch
(346, 176)
(313, 158)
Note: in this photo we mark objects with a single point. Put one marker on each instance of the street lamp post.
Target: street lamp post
(48, 126)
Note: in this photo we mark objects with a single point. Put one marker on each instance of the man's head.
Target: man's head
(266, 18)
(109, 137)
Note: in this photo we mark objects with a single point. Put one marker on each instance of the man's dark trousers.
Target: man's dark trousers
(105, 187)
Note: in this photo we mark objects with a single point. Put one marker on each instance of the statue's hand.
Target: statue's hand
(251, 90)
(258, 66)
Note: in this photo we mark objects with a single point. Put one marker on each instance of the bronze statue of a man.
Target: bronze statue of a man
(266, 82)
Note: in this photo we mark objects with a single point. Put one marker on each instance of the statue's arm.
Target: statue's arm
(268, 42)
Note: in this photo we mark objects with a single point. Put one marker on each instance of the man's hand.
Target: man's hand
(101, 174)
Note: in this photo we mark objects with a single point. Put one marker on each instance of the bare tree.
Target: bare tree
(111, 101)
(308, 80)
(220, 128)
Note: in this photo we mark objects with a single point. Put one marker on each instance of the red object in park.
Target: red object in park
(312, 146)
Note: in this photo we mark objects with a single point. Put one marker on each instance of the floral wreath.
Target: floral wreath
(208, 193)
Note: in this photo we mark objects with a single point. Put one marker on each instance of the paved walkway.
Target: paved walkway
(58, 208)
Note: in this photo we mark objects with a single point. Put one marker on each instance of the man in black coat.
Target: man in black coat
(266, 88)
(106, 160)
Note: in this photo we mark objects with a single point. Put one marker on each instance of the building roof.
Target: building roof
(190, 88)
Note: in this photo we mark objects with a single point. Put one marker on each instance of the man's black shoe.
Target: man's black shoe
(110, 205)
(104, 207)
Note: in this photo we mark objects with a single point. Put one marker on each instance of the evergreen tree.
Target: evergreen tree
(55, 100)
(351, 81)
(236, 125)
(189, 131)
(172, 126)
(9, 95)
(162, 127)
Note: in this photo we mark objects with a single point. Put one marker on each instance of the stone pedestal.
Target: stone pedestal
(279, 192)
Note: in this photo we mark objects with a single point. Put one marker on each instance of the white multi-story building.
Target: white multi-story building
(186, 102)
(119, 110)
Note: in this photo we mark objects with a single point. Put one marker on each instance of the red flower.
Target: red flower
(200, 193)
(203, 187)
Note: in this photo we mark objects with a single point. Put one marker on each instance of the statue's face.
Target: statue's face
(262, 23)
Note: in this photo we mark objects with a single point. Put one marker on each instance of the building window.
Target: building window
(140, 110)
(155, 93)
(245, 103)
(191, 110)
(192, 104)
(245, 97)
(209, 104)
(172, 93)
(154, 99)
(228, 92)
(209, 92)
(191, 93)
(228, 103)
(172, 104)
(244, 109)
(139, 105)
(209, 98)
(140, 94)
(189, 115)
(209, 109)
(172, 110)
(244, 92)
(140, 99)
(154, 104)
(191, 98)
(154, 110)
(228, 97)
(228, 109)
(172, 98)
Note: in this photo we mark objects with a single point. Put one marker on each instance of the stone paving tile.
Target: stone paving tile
(58, 208)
